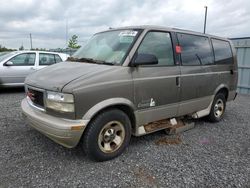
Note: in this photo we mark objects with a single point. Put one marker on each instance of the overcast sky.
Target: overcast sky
(46, 19)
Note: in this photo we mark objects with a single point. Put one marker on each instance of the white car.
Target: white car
(15, 66)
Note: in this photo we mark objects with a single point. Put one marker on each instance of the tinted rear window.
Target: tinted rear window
(196, 50)
(222, 51)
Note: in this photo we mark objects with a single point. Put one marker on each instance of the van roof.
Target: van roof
(152, 27)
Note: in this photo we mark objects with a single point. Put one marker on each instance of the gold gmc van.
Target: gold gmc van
(125, 78)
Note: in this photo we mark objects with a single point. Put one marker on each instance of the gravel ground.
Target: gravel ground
(210, 155)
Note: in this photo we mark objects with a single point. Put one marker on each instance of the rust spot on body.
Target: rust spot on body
(157, 125)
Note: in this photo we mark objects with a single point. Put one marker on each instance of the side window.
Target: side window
(58, 58)
(195, 50)
(160, 45)
(222, 51)
(27, 59)
(46, 59)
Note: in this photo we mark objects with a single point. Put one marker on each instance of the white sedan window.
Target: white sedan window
(46, 59)
(26, 59)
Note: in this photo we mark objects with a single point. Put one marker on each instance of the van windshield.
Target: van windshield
(110, 47)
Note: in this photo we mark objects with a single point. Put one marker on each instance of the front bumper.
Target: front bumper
(63, 131)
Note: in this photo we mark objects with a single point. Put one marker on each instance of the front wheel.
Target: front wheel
(108, 135)
(218, 108)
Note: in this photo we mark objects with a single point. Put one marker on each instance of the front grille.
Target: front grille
(36, 97)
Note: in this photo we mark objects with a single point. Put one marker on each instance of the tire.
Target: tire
(107, 136)
(218, 108)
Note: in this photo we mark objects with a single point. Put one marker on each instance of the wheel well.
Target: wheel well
(224, 91)
(126, 109)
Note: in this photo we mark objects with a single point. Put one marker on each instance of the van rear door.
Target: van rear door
(195, 51)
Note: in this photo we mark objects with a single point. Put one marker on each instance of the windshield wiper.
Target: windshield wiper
(89, 60)
(104, 62)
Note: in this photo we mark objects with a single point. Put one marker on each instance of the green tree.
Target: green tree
(73, 42)
(21, 48)
(4, 49)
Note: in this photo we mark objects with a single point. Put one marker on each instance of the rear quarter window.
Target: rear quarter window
(58, 58)
(222, 51)
(195, 50)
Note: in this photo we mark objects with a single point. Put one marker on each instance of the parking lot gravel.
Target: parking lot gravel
(209, 155)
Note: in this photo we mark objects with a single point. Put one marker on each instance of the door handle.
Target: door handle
(178, 81)
(32, 68)
(231, 71)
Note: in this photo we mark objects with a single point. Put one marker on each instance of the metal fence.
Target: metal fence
(242, 46)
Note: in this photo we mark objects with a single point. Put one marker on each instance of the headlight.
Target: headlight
(60, 101)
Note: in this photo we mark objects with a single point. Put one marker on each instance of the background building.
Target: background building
(242, 46)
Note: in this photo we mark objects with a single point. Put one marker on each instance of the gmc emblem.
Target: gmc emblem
(31, 95)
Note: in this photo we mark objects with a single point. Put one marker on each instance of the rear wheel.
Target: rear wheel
(218, 108)
(108, 135)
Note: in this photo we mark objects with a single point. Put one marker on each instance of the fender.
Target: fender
(107, 103)
(220, 87)
(206, 111)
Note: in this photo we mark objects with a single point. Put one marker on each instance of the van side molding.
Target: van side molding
(107, 103)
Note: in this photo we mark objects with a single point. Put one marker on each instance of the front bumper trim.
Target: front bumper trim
(60, 130)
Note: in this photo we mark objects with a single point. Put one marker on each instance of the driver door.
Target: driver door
(15, 70)
(156, 87)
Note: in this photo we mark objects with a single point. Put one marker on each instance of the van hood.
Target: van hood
(55, 77)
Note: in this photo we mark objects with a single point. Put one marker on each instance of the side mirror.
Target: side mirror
(8, 63)
(145, 59)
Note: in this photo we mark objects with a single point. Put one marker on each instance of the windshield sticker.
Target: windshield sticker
(127, 33)
(126, 39)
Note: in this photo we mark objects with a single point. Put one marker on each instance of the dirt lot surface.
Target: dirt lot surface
(210, 155)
